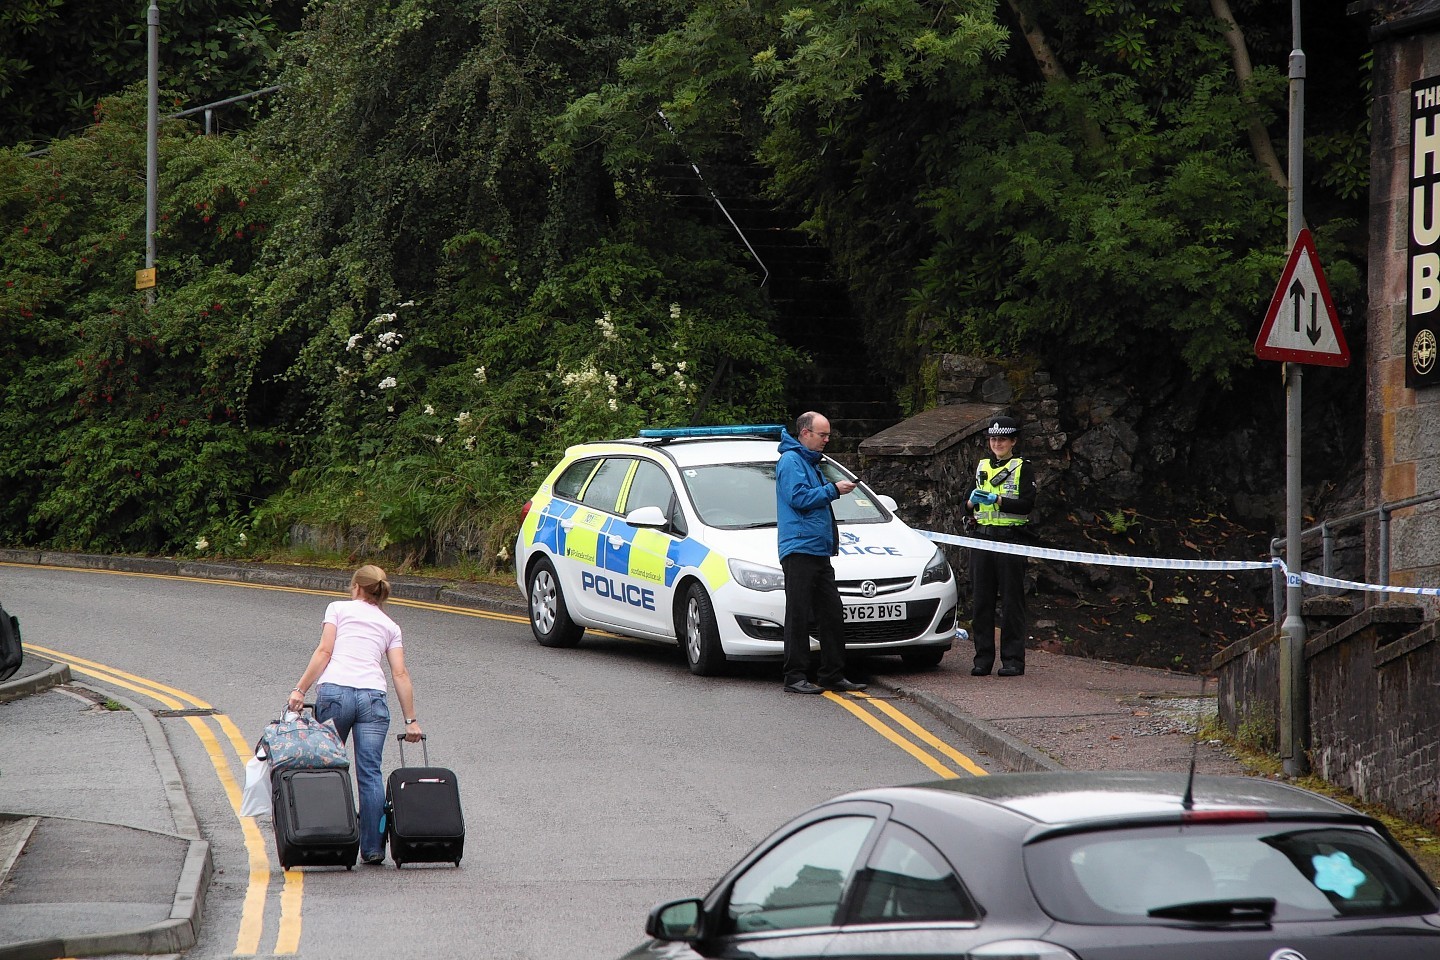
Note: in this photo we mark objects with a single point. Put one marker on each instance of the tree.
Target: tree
(129, 425)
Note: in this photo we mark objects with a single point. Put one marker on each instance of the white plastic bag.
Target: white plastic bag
(255, 799)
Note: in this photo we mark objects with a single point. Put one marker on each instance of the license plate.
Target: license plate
(864, 612)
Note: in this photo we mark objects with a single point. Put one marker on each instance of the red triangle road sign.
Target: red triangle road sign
(1301, 326)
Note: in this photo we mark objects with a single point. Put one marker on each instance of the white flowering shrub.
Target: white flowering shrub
(439, 417)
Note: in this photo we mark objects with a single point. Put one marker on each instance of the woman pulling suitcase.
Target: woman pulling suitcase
(358, 638)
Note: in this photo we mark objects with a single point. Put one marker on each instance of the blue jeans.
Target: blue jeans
(367, 715)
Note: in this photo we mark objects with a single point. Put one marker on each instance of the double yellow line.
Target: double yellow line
(885, 719)
(252, 916)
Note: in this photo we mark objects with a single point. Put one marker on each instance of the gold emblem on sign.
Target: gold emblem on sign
(1422, 352)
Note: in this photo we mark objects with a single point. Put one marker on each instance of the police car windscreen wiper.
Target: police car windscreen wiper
(751, 526)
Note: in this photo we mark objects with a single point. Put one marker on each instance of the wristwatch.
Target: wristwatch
(410, 720)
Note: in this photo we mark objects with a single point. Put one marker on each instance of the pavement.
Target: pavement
(99, 860)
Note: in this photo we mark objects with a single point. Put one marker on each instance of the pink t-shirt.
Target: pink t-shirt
(363, 635)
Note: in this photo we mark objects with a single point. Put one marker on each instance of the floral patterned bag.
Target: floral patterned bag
(301, 742)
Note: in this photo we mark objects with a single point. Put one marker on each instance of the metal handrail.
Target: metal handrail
(1327, 529)
(206, 108)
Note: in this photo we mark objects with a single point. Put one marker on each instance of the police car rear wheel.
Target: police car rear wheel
(700, 635)
(549, 620)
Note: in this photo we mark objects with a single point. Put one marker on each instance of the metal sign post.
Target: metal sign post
(1294, 692)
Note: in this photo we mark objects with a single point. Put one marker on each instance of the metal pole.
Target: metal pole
(152, 139)
(1294, 693)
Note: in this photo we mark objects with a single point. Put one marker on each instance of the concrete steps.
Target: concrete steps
(815, 316)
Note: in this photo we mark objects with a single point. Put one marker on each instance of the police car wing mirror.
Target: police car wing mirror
(887, 502)
(646, 517)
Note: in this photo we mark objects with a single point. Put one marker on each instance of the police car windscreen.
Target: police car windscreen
(737, 496)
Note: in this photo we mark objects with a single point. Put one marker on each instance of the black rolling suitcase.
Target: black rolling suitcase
(423, 822)
(315, 822)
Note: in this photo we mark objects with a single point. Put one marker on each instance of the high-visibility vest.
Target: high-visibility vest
(1003, 481)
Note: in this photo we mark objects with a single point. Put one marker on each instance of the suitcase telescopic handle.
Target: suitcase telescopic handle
(400, 738)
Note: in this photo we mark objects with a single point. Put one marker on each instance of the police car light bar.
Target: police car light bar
(674, 433)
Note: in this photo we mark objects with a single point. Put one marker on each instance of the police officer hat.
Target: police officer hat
(1003, 427)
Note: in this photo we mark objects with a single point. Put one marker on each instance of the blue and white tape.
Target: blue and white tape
(1163, 563)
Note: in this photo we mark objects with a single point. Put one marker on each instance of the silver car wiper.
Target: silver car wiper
(1246, 910)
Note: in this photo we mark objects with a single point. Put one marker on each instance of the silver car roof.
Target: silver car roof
(1071, 797)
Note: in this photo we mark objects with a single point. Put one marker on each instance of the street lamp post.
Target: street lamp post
(152, 146)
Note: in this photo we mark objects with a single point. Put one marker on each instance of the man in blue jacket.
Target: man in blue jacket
(808, 538)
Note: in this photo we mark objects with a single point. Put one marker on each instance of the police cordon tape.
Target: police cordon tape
(1163, 563)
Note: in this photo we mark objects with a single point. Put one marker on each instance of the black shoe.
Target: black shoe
(979, 671)
(1012, 671)
(845, 686)
(803, 686)
(373, 859)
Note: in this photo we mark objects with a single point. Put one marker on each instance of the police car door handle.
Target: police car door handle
(568, 523)
(616, 541)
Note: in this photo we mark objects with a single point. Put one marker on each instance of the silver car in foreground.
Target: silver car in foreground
(1066, 866)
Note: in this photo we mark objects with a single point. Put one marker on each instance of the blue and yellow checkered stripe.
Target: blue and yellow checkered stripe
(642, 554)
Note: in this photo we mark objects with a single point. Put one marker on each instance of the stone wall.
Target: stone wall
(1402, 424)
(927, 463)
(1373, 719)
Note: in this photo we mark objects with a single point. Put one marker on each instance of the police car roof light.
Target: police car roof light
(742, 430)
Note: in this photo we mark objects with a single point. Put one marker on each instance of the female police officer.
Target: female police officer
(1003, 497)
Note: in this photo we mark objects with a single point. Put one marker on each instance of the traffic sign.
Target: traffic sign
(1301, 326)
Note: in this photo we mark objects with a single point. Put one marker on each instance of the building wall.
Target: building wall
(1402, 424)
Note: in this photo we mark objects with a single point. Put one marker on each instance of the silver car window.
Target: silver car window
(1313, 872)
(801, 880)
(907, 880)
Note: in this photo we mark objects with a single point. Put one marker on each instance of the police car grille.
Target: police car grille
(922, 612)
(883, 586)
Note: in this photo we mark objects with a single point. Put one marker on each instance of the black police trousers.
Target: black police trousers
(999, 581)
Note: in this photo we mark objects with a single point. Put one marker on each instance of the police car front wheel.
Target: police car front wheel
(699, 634)
(549, 620)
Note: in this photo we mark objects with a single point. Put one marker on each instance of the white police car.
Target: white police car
(671, 536)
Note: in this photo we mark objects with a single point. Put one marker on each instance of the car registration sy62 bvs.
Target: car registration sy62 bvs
(874, 611)
(671, 536)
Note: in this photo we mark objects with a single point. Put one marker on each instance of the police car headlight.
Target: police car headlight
(937, 570)
(757, 577)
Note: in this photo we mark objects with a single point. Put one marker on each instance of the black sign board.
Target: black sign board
(1422, 323)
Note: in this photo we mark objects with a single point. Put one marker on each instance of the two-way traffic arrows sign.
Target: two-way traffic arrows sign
(1301, 326)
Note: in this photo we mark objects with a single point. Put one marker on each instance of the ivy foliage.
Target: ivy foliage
(1094, 194)
(465, 305)
(127, 423)
(449, 247)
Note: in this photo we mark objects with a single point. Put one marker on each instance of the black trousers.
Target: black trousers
(998, 580)
(811, 597)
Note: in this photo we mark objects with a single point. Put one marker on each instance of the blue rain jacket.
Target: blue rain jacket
(802, 502)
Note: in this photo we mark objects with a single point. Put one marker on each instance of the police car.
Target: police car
(671, 536)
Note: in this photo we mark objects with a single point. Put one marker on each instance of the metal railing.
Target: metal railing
(1327, 530)
(206, 108)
